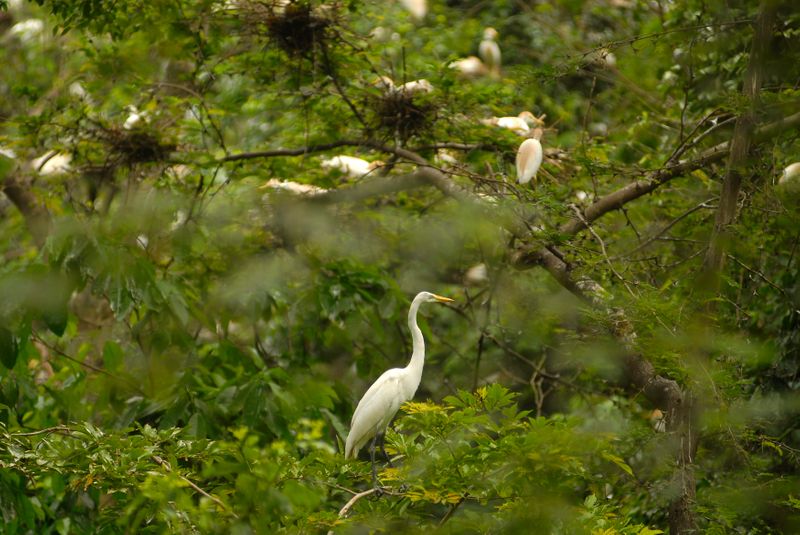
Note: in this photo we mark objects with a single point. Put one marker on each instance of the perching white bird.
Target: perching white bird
(351, 166)
(521, 124)
(417, 8)
(52, 163)
(27, 30)
(791, 173)
(393, 388)
(408, 89)
(469, 67)
(293, 187)
(417, 86)
(529, 158)
(489, 51)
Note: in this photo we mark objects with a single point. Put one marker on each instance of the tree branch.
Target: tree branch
(37, 218)
(740, 145)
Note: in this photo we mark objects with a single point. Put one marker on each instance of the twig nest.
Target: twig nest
(293, 25)
(136, 145)
(403, 111)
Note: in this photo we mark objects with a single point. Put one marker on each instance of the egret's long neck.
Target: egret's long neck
(418, 355)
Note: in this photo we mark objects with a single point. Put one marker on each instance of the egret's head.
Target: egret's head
(376, 164)
(384, 83)
(490, 33)
(428, 297)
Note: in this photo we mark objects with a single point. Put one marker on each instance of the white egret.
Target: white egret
(791, 173)
(134, 117)
(417, 86)
(52, 163)
(351, 166)
(529, 158)
(291, 186)
(489, 51)
(469, 67)
(521, 124)
(407, 89)
(393, 388)
(27, 30)
(417, 8)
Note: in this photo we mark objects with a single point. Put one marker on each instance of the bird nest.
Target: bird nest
(135, 146)
(295, 26)
(402, 116)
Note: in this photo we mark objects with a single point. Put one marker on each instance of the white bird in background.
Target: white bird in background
(521, 124)
(417, 8)
(351, 166)
(529, 158)
(489, 51)
(52, 163)
(408, 89)
(27, 30)
(291, 186)
(469, 67)
(791, 173)
(415, 87)
(393, 388)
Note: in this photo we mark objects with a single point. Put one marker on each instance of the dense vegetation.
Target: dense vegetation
(193, 298)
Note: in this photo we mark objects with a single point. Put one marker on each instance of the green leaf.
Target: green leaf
(619, 462)
(9, 348)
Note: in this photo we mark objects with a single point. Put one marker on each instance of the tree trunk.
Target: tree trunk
(740, 148)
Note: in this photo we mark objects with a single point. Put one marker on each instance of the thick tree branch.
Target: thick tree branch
(740, 144)
(36, 215)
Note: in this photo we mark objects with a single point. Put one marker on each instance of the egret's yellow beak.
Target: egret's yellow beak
(442, 299)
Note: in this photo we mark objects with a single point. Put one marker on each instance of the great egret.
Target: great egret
(52, 163)
(350, 166)
(417, 8)
(393, 388)
(521, 124)
(469, 67)
(489, 51)
(407, 89)
(291, 186)
(791, 173)
(529, 158)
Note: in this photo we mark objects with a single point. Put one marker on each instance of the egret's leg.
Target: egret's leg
(372, 458)
(383, 449)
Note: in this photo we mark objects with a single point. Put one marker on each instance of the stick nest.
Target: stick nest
(402, 116)
(136, 145)
(296, 27)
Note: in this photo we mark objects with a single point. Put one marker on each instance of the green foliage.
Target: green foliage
(183, 336)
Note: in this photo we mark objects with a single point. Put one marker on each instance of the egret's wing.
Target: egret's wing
(376, 408)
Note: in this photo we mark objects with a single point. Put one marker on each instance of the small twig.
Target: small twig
(85, 364)
(758, 273)
(164, 464)
(452, 510)
(603, 249)
(351, 502)
(63, 429)
(669, 225)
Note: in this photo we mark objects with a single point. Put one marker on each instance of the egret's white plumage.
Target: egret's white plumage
(521, 124)
(52, 163)
(393, 388)
(291, 186)
(407, 89)
(27, 30)
(489, 51)
(350, 165)
(417, 86)
(791, 173)
(417, 8)
(529, 158)
(469, 67)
